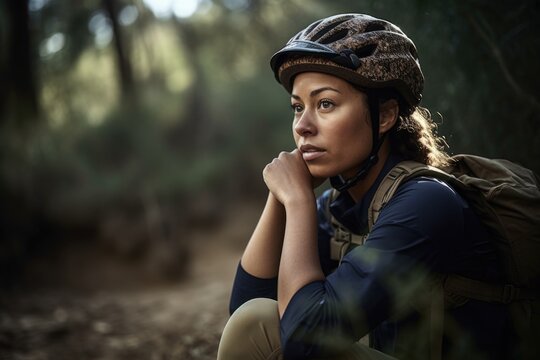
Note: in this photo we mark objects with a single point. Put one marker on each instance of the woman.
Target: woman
(355, 85)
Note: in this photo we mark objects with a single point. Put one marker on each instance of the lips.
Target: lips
(310, 152)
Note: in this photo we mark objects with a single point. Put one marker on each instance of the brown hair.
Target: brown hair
(415, 137)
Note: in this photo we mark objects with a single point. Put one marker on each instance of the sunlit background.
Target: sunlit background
(132, 138)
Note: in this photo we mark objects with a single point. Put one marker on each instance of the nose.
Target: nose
(305, 125)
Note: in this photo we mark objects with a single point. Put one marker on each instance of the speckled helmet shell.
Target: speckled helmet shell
(363, 50)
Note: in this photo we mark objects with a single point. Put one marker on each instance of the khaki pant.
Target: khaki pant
(252, 333)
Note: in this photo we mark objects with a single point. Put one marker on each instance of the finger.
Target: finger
(296, 153)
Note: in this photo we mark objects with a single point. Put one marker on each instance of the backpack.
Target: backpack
(506, 198)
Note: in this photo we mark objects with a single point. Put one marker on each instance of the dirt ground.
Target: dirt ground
(180, 321)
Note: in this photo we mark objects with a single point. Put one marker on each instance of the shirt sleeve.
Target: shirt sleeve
(247, 287)
(412, 237)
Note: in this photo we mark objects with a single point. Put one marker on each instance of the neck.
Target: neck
(358, 191)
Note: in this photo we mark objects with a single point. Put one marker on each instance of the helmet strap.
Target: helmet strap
(341, 184)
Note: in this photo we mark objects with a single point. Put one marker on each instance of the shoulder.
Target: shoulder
(422, 192)
(427, 204)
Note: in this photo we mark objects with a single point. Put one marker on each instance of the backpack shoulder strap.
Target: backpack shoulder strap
(343, 239)
(403, 171)
(469, 288)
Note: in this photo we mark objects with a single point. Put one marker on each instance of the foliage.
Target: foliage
(202, 113)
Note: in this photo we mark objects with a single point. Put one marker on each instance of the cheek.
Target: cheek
(355, 136)
(354, 148)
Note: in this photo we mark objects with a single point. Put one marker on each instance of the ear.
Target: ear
(388, 114)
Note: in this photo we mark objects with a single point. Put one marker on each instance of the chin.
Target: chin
(322, 171)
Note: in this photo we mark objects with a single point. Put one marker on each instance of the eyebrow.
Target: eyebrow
(317, 91)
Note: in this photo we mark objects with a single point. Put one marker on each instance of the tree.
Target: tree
(125, 71)
(18, 93)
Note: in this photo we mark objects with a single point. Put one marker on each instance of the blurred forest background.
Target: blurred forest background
(133, 132)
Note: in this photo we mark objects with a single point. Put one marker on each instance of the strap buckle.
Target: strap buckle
(342, 235)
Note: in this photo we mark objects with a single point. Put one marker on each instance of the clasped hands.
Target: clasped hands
(289, 180)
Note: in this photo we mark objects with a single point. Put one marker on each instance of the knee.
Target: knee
(254, 313)
(252, 329)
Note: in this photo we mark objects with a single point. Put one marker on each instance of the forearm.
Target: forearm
(262, 254)
(299, 264)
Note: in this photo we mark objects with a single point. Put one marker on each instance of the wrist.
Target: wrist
(273, 202)
(301, 200)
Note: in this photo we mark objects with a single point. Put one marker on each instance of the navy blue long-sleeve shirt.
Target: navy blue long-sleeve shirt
(425, 228)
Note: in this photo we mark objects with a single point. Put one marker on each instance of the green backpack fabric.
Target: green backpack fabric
(506, 197)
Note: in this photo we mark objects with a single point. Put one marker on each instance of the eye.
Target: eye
(326, 104)
(297, 108)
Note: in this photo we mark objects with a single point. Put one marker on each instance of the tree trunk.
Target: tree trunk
(18, 93)
(196, 132)
(127, 84)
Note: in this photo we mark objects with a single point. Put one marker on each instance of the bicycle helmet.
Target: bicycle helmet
(366, 51)
(370, 53)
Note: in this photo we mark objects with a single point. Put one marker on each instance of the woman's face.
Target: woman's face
(331, 124)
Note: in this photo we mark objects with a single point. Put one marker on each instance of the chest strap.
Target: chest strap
(343, 240)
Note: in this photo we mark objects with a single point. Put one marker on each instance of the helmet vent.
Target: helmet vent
(375, 26)
(326, 29)
(312, 26)
(338, 35)
(365, 51)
